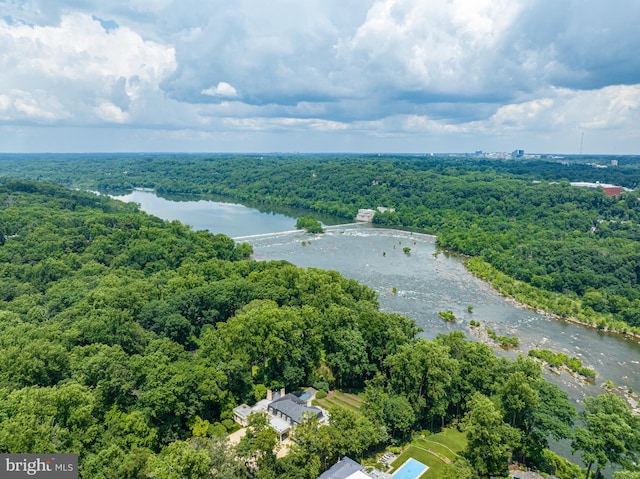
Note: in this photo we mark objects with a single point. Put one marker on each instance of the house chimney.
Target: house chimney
(269, 395)
(282, 393)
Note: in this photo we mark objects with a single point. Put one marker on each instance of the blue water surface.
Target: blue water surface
(411, 469)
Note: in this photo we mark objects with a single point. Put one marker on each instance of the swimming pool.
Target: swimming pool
(411, 469)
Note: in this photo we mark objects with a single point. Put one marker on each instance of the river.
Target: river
(421, 283)
(417, 285)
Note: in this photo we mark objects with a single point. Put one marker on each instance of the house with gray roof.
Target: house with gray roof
(283, 410)
(293, 409)
(345, 468)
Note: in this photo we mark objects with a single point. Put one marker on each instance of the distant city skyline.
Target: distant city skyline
(364, 76)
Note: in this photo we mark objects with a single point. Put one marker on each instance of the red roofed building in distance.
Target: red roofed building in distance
(609, 190)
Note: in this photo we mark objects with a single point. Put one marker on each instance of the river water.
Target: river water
(231, 219)
(418, 284)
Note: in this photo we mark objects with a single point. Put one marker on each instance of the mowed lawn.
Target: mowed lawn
(344, 400)
(434, 450)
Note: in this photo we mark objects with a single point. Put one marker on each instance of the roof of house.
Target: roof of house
(359, 475)
(279, 425)
(243, 410)
(343, 469)
(261, 406)
(526, 475)
(291, 406)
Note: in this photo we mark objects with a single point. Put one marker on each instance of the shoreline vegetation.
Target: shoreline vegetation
(571, 253)
(553, 305)
(556, 361)
(505, 342)
(130, 323)
(132, 340)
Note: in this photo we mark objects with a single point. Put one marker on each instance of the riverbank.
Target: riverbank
(571, 320)
(220, 217)
(426, 281)
(552, 305)
(632, 398)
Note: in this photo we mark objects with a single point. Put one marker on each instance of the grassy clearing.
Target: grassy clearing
(344, 404)
(323, 403)
(340, 399)
(434, 450)
(329, 402)
(451, 438)
(435, 464)
(350, 398)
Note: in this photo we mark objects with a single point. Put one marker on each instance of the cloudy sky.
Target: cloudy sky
(320, 75)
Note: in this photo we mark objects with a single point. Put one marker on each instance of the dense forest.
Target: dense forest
(128, 340)
(571, 251)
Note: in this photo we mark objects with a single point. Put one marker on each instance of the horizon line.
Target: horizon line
(479, 154)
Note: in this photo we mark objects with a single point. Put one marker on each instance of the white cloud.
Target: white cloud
(609, 108)
(285, 124)
(435, 48)
(614, 107)
(111, 113)
(519, 115)
(77, 63)
(36, 106)
(222, 90)
(402, 69)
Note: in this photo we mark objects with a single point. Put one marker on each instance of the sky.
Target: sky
(376, 76)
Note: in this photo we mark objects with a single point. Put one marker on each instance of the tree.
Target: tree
(313, 444)
(518, 398)
(259, 445)
(490, 440)
(294, 466)
(348, 357)
(351, 435)
(459, 469)
(53, 419)
(423, 372)
(399, 416)
(278, 340)
(553, 416)
(244, 250)
(479, 369)
(179, 460)
(384, 333)
(129, 430)
(114, 462)
(200, 427)
(612, 433)
(310, 225)
(375, 395)
(627, 475)
(107, 370)
(223, 463)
